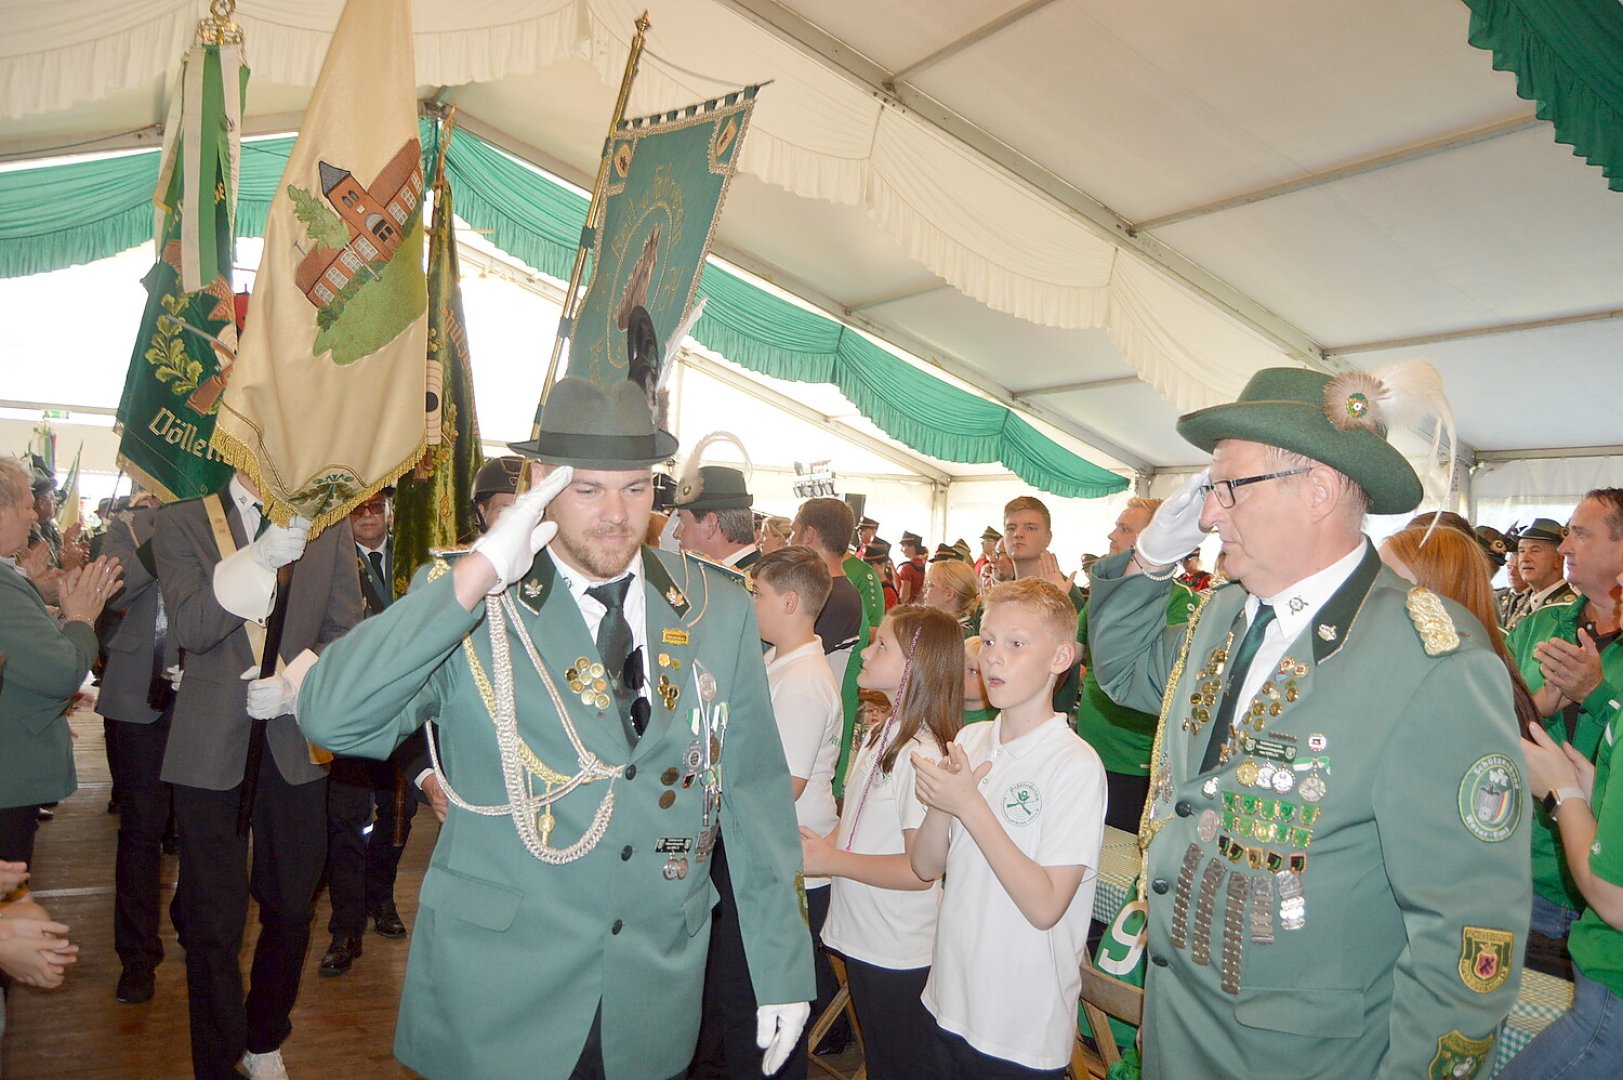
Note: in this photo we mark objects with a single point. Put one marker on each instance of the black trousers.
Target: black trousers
(957, 1060)
(590, 1065)
(362, 858)
(1125, 796)
(897, 1030)
(210, 912)
(727, 1049)
(136, 751)
(18, 824)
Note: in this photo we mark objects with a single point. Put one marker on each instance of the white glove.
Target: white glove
(520, 533)
(173, 674)
(281, 544)
(269, 698)
(1175, 529)
(777, 1029)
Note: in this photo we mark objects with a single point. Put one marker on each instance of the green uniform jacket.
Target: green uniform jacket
(511, 956)
(44, 665)
(1122, 736)
(1414, 878)
(872, 592)
(1551, 878)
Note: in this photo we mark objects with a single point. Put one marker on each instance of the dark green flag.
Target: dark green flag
(434, 501)
(187, 338)
(668, 176)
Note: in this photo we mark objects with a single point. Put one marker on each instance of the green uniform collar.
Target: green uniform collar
(1333, 624)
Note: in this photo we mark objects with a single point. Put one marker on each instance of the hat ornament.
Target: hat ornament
(690, 485)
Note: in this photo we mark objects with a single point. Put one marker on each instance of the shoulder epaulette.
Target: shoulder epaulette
(1432, 622)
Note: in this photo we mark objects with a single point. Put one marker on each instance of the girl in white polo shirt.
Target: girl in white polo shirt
(882, 916)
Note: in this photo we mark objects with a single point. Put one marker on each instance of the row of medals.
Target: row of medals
(1250, 897)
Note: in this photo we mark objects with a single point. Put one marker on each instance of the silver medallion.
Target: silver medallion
(1208, 826)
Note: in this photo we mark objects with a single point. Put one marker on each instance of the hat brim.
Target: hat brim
(1363, 456)
(606, 452)
(702, 505)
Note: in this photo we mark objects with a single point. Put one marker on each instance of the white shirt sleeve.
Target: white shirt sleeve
(802, 716)
(1073, 824)
(909, 811)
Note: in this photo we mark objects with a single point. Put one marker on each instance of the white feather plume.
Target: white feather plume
(690, 484)
(674, 344)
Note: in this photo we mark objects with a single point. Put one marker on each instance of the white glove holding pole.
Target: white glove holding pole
(269, 698)
(279, 545)
(777, 1030)
(520, 533)
(1175, 529)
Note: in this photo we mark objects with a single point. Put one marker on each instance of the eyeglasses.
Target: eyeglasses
(1224, 489)
(377, 506)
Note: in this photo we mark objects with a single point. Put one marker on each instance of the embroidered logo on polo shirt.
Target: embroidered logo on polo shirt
(1022, 803)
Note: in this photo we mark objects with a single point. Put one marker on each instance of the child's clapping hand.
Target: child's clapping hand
(817, 851)
(949, 785)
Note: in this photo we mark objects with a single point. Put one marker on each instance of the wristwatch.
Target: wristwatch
(1554, 799)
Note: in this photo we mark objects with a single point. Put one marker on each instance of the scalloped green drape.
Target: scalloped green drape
(1567, 56)
(61, 215)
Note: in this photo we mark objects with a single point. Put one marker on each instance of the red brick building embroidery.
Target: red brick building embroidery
(376, 217)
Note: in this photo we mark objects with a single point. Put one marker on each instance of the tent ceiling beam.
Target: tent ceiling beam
(895, 296)
(1477, 331)
(1357, 167)
(841, 58)
(1494, 456)
(974, 37)
(789, 283)
(783, 402)
(46, 406)
(1071, 387)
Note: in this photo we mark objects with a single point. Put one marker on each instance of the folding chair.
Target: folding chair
(840, 1003)
(1103, 997)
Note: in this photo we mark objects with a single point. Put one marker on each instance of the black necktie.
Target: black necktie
(376, 559)
(264, 521)
(614, 646)
(1238, 668)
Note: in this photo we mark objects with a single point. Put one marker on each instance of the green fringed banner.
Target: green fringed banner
(1567, 56)
(433, 502)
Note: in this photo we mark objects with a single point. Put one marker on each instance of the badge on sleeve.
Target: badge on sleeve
(1485, 958)
(1490, 798)
(1459, 1058)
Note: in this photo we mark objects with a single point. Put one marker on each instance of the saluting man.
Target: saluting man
(602, 712)
(1337, 874)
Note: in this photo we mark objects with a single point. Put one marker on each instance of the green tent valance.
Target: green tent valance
(62, 215)
(1567, 56)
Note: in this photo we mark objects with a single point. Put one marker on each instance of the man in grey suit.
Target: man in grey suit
(136, 697)
(217, 568)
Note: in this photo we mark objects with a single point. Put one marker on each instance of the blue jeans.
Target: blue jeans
(1584, 1043)
(1551, 919)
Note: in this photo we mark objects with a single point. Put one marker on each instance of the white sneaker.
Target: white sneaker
(265, 1066)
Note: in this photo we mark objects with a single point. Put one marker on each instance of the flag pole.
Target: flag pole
(594, 211)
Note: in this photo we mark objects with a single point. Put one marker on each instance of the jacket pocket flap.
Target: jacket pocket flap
(1323, 1014)
(474, 900)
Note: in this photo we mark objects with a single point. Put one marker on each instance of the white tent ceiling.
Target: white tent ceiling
(1345, 183)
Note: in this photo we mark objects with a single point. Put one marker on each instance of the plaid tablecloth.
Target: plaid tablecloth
(1542, 998)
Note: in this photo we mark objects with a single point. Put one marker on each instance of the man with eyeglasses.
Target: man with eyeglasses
(363, 850)
(1337, 879)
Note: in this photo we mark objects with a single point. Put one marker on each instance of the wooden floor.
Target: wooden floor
(342, 1027)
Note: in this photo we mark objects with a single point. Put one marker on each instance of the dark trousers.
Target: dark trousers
(210, 912)
(1125, 797)
(957, 1060)
(897, 1029)
(727, 1049)
(110, 745)
(362, 858)
(136, 751)
(18, 824)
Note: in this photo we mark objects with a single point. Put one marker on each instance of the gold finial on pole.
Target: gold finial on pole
(594, 212)
(447, 129)
(218, 28)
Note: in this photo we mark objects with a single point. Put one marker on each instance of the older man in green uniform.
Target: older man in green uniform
(602, 712)
(1337, 882)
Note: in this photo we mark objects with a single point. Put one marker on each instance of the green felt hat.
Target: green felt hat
(1546, 529)
(991, 534)
(714, 487)
(596, 427)
(1325, 419)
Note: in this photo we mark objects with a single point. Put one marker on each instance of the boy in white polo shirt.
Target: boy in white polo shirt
(791, 586)
(1016, 817)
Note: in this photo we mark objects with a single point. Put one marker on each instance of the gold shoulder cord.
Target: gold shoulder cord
(1147, 826)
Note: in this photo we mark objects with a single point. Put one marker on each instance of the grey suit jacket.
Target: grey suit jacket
(128, 676)
(208, 736)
